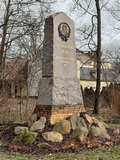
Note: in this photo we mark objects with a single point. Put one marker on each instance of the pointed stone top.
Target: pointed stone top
(56, 14)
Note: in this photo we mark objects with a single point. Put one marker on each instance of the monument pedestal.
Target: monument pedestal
(59, 91)
(56, 113)
(59, 98)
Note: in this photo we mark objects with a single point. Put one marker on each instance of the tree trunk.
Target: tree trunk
(2, 47)
(97, 92)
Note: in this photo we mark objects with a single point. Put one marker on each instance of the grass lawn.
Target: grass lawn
(112, 153)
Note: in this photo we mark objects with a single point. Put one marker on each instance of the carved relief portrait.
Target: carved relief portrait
(64, 31)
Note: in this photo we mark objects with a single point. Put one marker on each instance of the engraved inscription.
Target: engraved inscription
(65, 51)
(65, 60)
(64, 54)
(64, 46)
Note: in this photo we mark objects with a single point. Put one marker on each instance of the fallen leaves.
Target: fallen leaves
(67, 145)
(54, 149)
(70, 144)
(18, 147)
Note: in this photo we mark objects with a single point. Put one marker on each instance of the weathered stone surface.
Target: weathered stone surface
(80, 133)
(59, 84)
(57, 91)
(98, 132)
(19, 129)
(95, 131)
(62, 127)
(32, 120)
(73, 121)
(87, 119)
(83, 134)
(43, 119)
(102, 127)
(95, 120)
(100, 124)
(77, 122)
(52, 136)
(81, 122)
(44, 145)
(39, 125)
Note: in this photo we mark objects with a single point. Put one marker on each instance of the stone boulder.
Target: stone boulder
(39, 125)
(88, 120)
(19, 129)
(80, 133)
(98, 133)
(52, 136)
(81, 122)
(44, 145)
(100, 123)
(76, 122)
(73, 121)
(100, 129)
(32, 120)
(62, 127)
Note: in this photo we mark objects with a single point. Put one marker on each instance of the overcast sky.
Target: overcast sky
(108, 34)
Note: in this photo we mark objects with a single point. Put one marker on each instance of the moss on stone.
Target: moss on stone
(25, 137)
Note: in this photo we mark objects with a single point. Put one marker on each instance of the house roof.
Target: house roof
(13, 68)
(90, 74)
(90, 54)
(86, 73)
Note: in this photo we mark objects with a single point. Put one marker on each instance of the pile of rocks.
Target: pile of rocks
(78, 127)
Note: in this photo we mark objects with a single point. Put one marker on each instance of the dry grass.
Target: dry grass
(111, 153)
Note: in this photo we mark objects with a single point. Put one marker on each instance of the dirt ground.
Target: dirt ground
(67, 145)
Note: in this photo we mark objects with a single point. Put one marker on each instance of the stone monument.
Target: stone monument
(59, 89)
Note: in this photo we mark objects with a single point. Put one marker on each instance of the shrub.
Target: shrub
(25, 137)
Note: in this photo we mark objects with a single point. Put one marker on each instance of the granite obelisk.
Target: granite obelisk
(59, 89)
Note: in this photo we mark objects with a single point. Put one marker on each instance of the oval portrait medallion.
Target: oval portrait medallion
(64, 31)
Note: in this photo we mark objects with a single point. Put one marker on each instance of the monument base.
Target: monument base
(56, 113)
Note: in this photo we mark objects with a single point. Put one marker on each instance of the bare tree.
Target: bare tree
(97, 92)
(91, 33)
(20, 20)
(112, 51)
(114, 10)
(21, 29)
